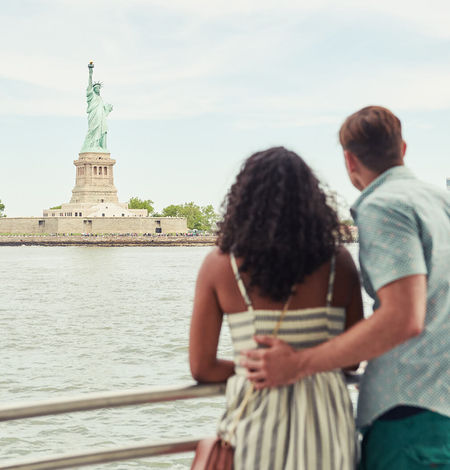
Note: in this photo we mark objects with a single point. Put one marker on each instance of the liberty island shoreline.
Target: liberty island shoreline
(111, 240)
(106, 240)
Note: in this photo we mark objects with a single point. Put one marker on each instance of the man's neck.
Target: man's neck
(366, 176)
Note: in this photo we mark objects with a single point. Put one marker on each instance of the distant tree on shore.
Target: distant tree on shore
(210, 217)
(136, 203)
(348, 222)
(198, 218)
(2, 208)
(55, 208)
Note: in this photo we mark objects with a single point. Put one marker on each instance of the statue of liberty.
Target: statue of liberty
(95, 140)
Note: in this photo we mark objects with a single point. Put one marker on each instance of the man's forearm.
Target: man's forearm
(280, 364)
(366, 340)
(400, 317)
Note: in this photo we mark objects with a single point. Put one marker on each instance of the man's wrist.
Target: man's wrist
(304, 364)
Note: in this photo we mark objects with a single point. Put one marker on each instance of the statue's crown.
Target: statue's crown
(100, 84)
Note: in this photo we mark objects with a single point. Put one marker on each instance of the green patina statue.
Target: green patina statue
(95, 140)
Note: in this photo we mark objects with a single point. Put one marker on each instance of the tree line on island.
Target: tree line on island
(201, 218)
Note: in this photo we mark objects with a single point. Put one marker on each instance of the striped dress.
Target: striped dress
(308, 425)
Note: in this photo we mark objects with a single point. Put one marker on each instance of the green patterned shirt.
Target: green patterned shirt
(404, 229)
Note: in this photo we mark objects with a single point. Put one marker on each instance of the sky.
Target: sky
(199, 85)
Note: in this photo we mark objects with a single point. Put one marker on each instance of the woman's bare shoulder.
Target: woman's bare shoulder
(214, 269)
(344, 260)
(346, 279)
(347, 275)
(215, 261)
(216, 256)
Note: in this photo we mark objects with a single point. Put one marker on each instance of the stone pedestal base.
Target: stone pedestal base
(94, 179)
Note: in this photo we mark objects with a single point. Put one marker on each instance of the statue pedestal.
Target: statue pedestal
(94, 181)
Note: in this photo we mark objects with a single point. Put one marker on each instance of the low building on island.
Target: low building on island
(94, 206)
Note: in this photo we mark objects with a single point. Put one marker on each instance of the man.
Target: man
(404, 236)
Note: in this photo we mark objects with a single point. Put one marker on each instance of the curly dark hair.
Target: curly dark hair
(278, 220)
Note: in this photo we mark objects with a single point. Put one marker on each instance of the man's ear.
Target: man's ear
(403, 149)
(351, 161)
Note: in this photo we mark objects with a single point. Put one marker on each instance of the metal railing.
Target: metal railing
(95, 401)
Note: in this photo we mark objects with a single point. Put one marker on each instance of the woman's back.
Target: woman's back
(311, 293)
(289, 427)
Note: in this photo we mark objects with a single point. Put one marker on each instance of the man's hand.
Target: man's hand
(273, 366)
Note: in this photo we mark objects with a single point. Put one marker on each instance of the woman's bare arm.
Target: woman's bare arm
(206, 323)
(354, 307)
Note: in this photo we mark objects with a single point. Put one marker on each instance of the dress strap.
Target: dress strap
(240, 282)
(331, 280)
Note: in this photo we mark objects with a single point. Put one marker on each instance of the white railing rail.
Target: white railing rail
(93, 401)
(100, 457)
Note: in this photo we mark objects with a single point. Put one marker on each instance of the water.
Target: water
(86, 319)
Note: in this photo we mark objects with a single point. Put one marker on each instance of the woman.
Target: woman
(278, 249)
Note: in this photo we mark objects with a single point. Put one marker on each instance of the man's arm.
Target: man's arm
(401, 316)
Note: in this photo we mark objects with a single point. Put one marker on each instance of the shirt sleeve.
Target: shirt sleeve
(390, 244)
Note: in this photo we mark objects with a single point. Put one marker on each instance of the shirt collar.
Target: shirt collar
(399, 172)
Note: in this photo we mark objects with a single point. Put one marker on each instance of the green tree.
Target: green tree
(55, 208)
(2, 208)
(193, 214)
(347, 222)
(136, 203)
(191, 211)
(210, 217)
(172, 211)
(198, 218)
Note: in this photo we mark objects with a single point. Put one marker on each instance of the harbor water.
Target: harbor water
(90, 319)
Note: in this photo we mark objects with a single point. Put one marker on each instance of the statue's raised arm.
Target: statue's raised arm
(95, 140)
(91, 71)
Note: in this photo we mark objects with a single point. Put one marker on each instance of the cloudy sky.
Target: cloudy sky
(199, 85)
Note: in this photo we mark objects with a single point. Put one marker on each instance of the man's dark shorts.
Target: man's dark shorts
(420, 441)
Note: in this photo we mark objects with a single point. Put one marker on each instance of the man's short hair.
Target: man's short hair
(374, 135)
